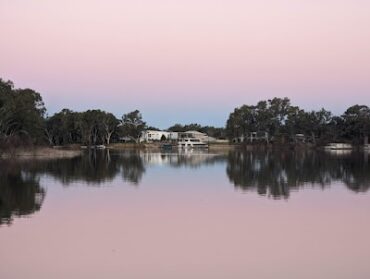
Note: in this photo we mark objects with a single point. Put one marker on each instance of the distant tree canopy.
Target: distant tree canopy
(278, 116)
(90, 127)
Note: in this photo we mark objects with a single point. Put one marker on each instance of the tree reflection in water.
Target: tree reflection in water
(20, 192)
(132, 166)
(276, 173)
(94, 168)
(271, 173)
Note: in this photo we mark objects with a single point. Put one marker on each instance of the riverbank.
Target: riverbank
(41, 152)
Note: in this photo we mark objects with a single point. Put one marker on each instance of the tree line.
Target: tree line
(280, 119)
(23, 121)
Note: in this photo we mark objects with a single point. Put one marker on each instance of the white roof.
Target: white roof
(195, 132)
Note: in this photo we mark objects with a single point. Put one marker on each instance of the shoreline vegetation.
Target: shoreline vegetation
(26, 130)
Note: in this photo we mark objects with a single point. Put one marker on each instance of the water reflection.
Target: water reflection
(20, 192)
(93, 168)
(275, 173)
(271, 173)
(190, 158)
(132, 166)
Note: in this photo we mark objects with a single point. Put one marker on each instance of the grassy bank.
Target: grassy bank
(40, 152)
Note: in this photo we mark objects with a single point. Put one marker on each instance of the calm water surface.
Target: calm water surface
(188, 215)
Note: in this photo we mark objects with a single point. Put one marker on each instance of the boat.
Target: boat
(339, 146)
(191, 143)
(93, 147)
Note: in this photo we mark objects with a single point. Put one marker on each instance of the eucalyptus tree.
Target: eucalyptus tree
(6, 88)
(21, 113)
(109, 125)
(316, 124)
(241, 121)
(357, 123)
(90, 126)
(277, 116)
(132, 125)
(278, 110)
(268, 116)
(63, 128)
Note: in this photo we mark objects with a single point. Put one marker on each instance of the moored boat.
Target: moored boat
(100, 146)
(339, 146)
(191, 143)
(93, 146)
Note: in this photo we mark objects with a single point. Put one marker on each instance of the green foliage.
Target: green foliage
(356, 122)
(21, 114)
(90, 127)
(267, 116)
(132, 125)
(279, 117)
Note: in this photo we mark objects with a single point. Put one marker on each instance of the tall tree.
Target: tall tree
(21, 113)
(109, 124)
(357, 123)
(133, 125)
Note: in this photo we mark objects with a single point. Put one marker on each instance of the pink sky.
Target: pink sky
(184, 61)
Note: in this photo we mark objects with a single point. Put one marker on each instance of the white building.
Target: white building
(152, 135)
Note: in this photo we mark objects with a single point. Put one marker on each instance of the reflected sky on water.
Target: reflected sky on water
(260, 214)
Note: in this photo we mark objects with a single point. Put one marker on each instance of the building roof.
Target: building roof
(195, 132)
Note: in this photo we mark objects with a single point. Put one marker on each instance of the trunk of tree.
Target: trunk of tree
(49, 137)
(313, 138)
(94, 136)
(108, 137)
(366, 140)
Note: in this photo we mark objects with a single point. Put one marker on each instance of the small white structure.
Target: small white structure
(197, 135)
(338, 146)
(152, 135)
(251, 137)
(191, 143)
